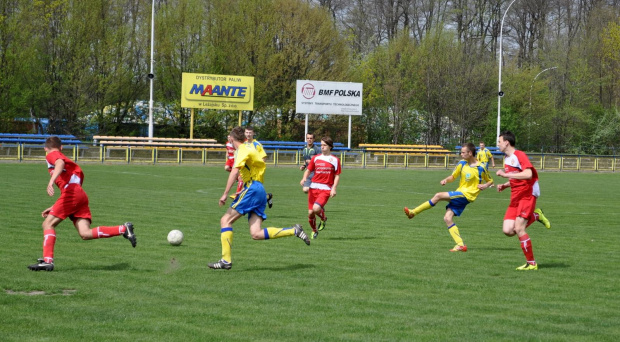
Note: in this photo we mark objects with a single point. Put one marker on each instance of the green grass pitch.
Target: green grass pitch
(373, 275)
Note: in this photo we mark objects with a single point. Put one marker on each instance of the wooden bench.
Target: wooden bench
(296, 145)
(121, 141)
(36, 139)
(402, 149)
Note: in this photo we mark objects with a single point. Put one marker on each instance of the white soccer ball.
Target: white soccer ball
(175, 237)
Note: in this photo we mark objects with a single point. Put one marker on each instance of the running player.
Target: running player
(251, 201)
(72, 203)
(523, 182)
(327, 169)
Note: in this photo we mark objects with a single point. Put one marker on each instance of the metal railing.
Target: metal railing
(351, 159)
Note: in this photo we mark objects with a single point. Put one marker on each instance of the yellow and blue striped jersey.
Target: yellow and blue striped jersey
(470, 178)
(250, 163)
(484, 155)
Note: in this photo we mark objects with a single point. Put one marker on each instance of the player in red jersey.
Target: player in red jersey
(230, 155)
(326, 168)
(72, 203)
(523, 182)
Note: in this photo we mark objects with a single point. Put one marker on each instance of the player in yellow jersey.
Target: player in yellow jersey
(484, 156)
(473, 178)
(252, 199)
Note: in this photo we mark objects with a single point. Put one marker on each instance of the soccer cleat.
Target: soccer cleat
(542, 218)
(269, 199)
(220, 265)
(299, 232)
(41, 266)
(528, 267)
(458, 248)
(129, 234)
(322, 224)
(409, 214)
(314, 235)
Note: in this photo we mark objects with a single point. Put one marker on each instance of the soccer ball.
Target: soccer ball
(175, 237)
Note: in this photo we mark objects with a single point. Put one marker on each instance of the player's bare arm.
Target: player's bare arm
(485, 185)
(447, 180)
(303, 179)
(525, 174)
(332, 192)
(502, 187)
(232, 178)
(59, 165)
(46, 212)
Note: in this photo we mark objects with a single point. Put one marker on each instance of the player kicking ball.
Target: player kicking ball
(326, 168)
(252, 200)
(72, 203)
(474, 177)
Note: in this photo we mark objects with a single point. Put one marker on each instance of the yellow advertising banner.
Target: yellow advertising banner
(217, 92)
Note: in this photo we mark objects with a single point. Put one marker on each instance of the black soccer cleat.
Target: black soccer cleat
(269, 199)
(41, 266)
(220, 265)
(299, 232)
(129, 234)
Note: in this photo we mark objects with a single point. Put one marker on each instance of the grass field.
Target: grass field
(373, 275)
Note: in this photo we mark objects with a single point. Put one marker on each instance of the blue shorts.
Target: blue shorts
(485, 165)
(252, 199)
(458, 202)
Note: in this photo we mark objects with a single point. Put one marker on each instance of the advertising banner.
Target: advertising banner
(217, 92)
(321, 97)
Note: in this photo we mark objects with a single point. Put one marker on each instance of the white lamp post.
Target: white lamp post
(500, 93)
(151, 76)
(532, 86)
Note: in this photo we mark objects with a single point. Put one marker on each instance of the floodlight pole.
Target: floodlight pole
(532, 86)
(151, 75)
(500, 93)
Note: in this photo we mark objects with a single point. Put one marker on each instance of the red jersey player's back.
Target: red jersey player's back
(516, 163)
(71, 174)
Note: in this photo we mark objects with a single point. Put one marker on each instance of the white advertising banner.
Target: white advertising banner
(320, 97)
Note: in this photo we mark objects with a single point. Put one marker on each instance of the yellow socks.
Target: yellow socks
(454, 232)
(274, 233)
(226, 236)
(424, 206)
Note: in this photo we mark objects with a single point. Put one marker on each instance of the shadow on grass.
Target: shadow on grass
(354, 238)
(493, 248)
(553, 265)
(114, 267)
(295, 267)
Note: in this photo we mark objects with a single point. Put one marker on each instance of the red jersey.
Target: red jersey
(230, 154)
(325, 170)
(71, 174)
(516, 163)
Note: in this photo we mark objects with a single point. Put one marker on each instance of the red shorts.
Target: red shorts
(520, 207)
(73, 203)
(318, 196)
(230, 162)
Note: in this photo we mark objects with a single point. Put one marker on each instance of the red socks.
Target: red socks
(106, 232)
(526, 246)
(322, 215)
(49, 240)
(312, 221)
